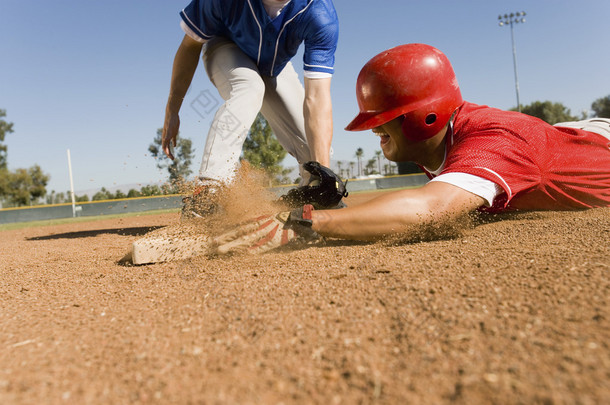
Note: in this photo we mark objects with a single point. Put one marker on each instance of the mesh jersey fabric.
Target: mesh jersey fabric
(538, 166)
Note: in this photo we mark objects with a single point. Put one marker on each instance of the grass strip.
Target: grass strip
(61, 221)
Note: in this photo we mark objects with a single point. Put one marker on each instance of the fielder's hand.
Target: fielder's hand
(268, 232)
(170, 134)
(325, 190)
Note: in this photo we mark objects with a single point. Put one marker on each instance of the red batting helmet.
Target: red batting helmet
(413, 80)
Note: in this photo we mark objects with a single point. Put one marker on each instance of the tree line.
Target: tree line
(21, 186)
(27, 186)
(104, 194)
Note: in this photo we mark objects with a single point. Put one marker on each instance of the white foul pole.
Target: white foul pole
(71, 185)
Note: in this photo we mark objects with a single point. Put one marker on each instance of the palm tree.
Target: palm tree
(339, 164)
(370, 166)
(359, 154)
(378, 156)
(351, 166)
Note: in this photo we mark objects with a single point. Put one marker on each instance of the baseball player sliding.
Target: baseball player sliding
(477, 157)
(246, 47)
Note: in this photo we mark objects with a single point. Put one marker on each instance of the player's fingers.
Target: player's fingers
(244, 242)
(236, 233)
(168, 152)
(243, 229)
(279, 238)
(165, 145)
(170, 135)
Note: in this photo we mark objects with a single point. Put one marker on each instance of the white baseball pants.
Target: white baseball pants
(246, 92)
(597, 125)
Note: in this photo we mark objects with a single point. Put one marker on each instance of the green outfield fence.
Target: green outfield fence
(141, 204)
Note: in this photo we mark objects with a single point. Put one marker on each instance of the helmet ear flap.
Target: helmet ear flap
(430, 118)
(418, 126)
(426, 122)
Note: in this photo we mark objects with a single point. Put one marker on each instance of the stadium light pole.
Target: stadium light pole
(71, 185)
(510, 20)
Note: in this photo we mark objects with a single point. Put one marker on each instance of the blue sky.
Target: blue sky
(93, 76)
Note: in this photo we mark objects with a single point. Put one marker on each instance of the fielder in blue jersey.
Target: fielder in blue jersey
(246, 48)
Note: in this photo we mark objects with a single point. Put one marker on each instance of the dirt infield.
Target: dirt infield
(512, 311)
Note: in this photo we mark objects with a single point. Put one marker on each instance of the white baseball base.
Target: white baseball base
(167, 244)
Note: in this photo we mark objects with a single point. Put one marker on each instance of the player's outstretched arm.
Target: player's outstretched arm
(398, 212)
(395, 213)
(185, 64)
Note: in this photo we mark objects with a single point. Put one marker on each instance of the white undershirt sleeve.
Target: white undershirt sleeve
(316, 75)
(486, 189)
(191, 33)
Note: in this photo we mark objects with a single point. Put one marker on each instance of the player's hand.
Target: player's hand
(170, 133)
(324, 191)
(267, 232)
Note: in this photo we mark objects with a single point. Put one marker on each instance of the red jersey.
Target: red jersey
(539, 166)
